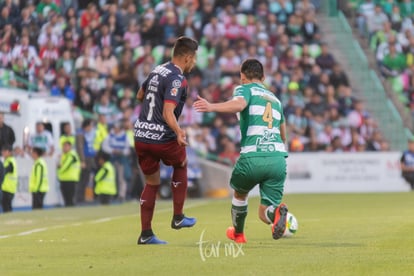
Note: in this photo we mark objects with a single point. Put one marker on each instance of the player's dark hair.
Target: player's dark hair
(252, 69)
(185, 46)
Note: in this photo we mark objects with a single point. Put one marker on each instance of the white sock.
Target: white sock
(238, 202)
(269, 209)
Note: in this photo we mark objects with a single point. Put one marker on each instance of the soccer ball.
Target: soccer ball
(291, 225)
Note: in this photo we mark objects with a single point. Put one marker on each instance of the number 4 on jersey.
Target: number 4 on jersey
(268, 115)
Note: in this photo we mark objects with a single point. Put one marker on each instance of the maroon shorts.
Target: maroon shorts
(149, 155)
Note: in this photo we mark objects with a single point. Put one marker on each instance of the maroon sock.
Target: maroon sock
(179, 189)
(147, 201)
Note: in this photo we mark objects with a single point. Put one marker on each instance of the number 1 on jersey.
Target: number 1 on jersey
(268, 115)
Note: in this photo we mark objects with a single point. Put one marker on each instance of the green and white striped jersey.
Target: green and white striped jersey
(260, 121)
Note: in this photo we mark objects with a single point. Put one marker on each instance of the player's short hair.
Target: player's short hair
(252, 69)
(185, 46)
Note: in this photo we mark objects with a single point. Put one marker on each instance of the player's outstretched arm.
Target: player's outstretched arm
(234, 105)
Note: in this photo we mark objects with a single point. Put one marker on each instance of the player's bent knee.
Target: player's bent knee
(240, 196)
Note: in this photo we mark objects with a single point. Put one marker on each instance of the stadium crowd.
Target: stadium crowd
(387, 26)
(97, 53)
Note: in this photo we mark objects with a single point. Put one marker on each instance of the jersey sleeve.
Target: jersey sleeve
(240, 91)
(173, 89)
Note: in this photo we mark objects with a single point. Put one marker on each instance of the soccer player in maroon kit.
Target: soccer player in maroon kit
(158, 135)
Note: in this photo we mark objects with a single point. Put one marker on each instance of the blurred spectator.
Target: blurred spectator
(116, 144)
(325, 60)
(67, 135)
(336, 145)
(7, 136)
(407, 8)
(90, 17)
(396, 18)
(106, 38)
(283, 9)
(376, 20)
(66, 5)
(50, 52)
(62, 88)
(68, 173)
(294, 29)
(106, 108)
(338, 77)
(38, 183)
(125, 74)
(212, 72)
(115, 28)
(149, 30)
(86, 147)
(375, 142)
(14, 10)
(407, 164)
(303, 7)
(65, 65)
(5, 55)
(394, 63)
(85, 64)
(131, 17)
(105, 62)
(105, 179)
(189, 116)
(230, 154)
(41, 139)
(132, 35)
(310, 29)
(83, 99)
(365, 10)
(297, 123)
(5, 17)
(316, 106)
(213, 31)
(356, 141)
(44, 7)
(383, 48)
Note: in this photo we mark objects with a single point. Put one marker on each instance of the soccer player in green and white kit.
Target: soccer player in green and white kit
(262, 157)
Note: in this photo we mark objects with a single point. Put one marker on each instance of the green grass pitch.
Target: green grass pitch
(339, 234)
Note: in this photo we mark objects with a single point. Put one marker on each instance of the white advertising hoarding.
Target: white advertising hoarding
(344, 172)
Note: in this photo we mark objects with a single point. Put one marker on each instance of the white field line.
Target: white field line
(95, 221)
(32, 231)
